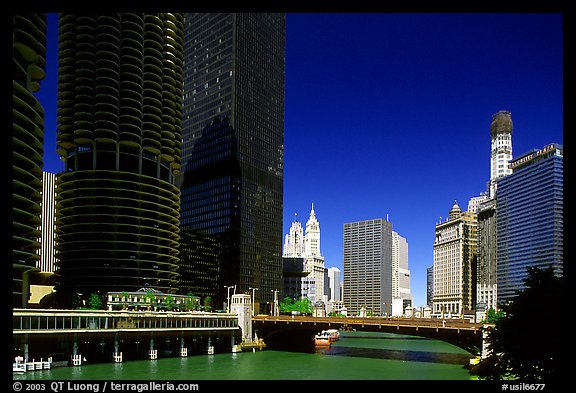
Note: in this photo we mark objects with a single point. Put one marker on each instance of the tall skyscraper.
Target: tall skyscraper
(501, 133)
(486, 286)
(400, 271)
(119, 136)
(29, 62)
(334, 284)
(232, 185)
(312, 236)
(485, 206)
(429, 285)
(530, 218)
(455, 262)
(368, 266)
(314, 259)
(306, 244)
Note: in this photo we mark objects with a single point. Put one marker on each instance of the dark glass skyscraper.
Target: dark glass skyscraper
(530, 218)
(119, 134)
(28, 67)
(232, 183)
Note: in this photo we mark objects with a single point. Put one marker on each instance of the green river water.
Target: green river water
(356, 356)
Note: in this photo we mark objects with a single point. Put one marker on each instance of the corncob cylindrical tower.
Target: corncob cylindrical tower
(29, 53)
(119, 134)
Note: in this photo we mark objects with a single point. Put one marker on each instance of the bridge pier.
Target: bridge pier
(116, 355)
(76, 358)
(152, 353)
(183, 349)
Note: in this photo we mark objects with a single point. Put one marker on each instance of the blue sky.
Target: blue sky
(389, 114)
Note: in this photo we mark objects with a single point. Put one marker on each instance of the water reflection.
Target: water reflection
(413, 356)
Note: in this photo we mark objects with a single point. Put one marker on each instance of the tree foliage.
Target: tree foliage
(303, 306)
(208, 303)
(528, 342)
(95, 302)
(169, 302)
(492, 316)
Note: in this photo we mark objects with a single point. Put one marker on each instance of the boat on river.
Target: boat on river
(326, 337)
(333, 334)
(322, 339)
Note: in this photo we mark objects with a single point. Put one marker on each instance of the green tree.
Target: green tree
(95, 302)
(150, 299)
(286, 305)
(528, 341)
(190, 302)
(208, 303)
(492, 316)
(304, 305)
(169, 302)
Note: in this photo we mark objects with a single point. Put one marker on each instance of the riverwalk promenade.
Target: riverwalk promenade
(101, 335)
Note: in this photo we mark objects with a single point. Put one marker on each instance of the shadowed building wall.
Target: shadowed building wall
(232, 183)
(29, 62)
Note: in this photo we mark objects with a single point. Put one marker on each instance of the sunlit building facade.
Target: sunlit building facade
(455, 263)
(530, 226)
(368, 266)
(485, 206)
(46, 263)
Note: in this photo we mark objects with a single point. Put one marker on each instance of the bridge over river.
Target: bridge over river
(286, 330)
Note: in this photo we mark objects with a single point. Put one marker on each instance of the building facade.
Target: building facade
(368, 266)
(455, 263)
(400, 271)
(335, 289)
(486, 285)
(294, 241)
(233, 119)
(485, 206)
(429, 285)
(300, 243)
(530, 218)
(29, 64)
(501, 147)
(46, 263)
(120, 138)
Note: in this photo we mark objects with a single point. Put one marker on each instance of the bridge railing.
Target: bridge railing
(345, 321)
(40, 321)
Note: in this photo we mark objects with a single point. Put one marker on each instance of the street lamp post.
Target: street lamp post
(275, 313)
(253, 290)
(228, 304)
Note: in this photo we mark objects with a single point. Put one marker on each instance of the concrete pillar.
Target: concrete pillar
(210, 347)
(117, 355)
(76, 358)
(26, 348)
(152, 353)
(183, 349)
